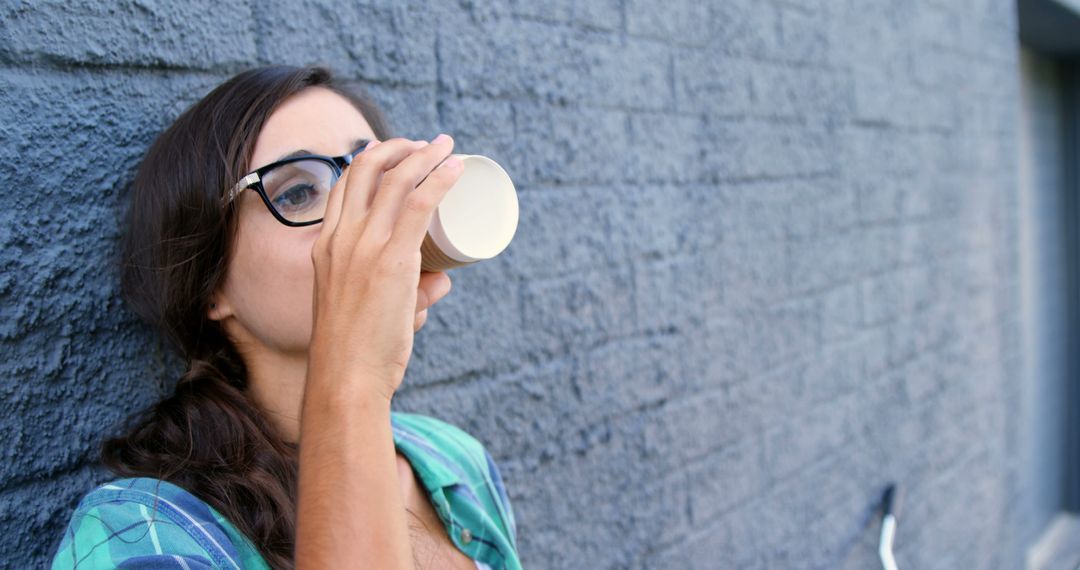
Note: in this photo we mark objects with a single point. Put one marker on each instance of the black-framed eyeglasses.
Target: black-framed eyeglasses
(295, 189)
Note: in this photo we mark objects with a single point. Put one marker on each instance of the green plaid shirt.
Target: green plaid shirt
(141, 522)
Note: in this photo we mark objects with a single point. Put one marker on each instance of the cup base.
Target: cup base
(433, 259)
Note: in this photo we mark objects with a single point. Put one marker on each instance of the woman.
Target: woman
(295, 307)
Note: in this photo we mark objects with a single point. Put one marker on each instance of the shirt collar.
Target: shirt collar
(431, 465)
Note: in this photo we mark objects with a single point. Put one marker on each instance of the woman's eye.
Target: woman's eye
(294, 197)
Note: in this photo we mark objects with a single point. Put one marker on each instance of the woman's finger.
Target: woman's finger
(366, 170)
(419, 321)
(415, 217)
(398, 184)
(334, 200)
(432, 287)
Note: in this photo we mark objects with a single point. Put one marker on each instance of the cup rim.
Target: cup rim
(438, 231)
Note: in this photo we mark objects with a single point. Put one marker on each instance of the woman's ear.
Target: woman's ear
(218, 308)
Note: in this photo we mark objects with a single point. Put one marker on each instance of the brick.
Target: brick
(878, 249)
(552, 384)
(879, 199)
(453, 344)
(729, 477)
(559, 145)
(604, 15)
(562, 65)
(135, 34)
(749, 273)
(786, 91)
(649, 368)
(689, 429)
(481, 126)
(684, 23)
(881, 151)
(671, 294)
(745, 28)
(668, 220)
(841, 313)
(804, 35)
(822, 263)
(805, 438)
(651, 158)
(742, 149)
(838, 370)
(889, 295)
(591, 306)
(411, 112)
(714, 543)
(705, 82)
(589, 236)
(766, 399)
(380, 43)
(758, 211)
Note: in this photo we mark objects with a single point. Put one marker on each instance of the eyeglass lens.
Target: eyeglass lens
(299, 190)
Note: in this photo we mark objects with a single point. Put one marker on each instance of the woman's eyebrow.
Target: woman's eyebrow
(357, 145)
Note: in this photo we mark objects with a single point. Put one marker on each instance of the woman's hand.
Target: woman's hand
(433, 287)
(370, 296)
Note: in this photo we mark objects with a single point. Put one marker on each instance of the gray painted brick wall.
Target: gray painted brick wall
(767, 260)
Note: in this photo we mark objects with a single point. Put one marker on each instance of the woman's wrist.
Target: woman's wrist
(333, 397)
(348, 385)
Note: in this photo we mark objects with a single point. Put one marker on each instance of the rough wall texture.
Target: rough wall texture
(766, 261)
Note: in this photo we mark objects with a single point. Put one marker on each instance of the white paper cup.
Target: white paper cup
(475, 220)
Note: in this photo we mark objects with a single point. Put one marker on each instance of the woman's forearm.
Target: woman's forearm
(350, 511)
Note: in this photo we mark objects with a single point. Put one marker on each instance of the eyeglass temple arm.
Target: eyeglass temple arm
(242, 185)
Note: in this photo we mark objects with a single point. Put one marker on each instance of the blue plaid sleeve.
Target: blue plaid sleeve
(127, 534)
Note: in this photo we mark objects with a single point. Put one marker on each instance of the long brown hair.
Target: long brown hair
(208, 436)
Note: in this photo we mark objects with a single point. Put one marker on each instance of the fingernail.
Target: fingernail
(371, 144)
(419, 144)
(443, 137)
(452, 163)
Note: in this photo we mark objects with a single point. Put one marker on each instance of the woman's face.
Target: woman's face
(265, 303)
